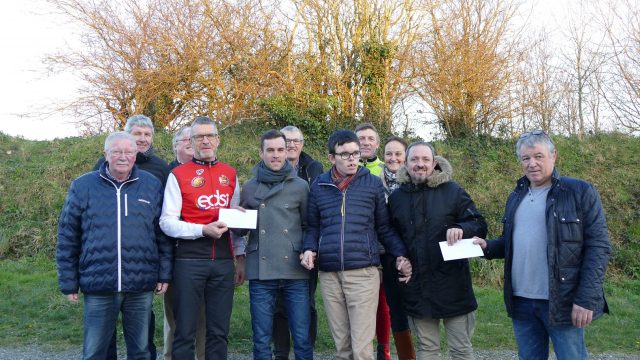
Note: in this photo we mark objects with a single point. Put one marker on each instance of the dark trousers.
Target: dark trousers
(399, 320)
(197, 281)
(281, 336)
(112, 351)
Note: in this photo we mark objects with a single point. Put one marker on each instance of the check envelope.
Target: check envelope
(237, 219)
(463, 249)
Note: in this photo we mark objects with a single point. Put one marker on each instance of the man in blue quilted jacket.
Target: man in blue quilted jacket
(556, 248)
(110, 247)
(347, 217)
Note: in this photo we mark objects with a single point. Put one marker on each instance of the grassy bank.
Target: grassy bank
(35, 176)
(33, 312)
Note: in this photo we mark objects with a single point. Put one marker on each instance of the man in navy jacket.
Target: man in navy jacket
(556, 248)
(111, 248)
(347, 217)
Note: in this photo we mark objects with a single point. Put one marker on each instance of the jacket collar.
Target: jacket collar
(305, 159)
(145, 156)
(326, 176)
(523, 182)
(205, 163)
(441, 174)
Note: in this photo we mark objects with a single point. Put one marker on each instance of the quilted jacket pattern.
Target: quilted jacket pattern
(109, 239)
(578, 247)
(345, 228)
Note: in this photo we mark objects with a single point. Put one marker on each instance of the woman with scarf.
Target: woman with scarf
(394, 157)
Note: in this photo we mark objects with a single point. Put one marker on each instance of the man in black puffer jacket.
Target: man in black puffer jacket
(426, 209)
(111, 248)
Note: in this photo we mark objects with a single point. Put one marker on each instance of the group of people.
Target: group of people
(367, 229)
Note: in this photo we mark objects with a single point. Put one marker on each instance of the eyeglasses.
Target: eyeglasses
(118, 153)
(347, 155)
(294, 141)
(533, 133)
(200, 138)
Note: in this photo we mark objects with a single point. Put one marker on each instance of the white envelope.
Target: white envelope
(238, 219)
(462, 249)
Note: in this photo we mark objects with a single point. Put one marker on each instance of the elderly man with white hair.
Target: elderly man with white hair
(110, 248)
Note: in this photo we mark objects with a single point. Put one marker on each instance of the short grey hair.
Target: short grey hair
(179, 134)
(116, 136)
(138, 120)
(203, 120)
(532, 138)
(291, 128)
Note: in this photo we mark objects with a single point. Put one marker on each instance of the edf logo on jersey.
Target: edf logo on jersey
(206, 202)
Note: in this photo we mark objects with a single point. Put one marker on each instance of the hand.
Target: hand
(308, 259)
(581, 317)
(238, 278)
(238, 207)
(215, 229)
(481, 242)
(161, 288)
(73, 298)
(454, 235)
(403, 265)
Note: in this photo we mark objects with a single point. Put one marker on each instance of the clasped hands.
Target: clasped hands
(403, 265)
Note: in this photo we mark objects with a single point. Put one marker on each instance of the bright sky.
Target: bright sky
(28, 32)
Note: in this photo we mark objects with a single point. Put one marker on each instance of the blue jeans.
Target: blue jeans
(262, 298)
(100, 316)
(532, 331)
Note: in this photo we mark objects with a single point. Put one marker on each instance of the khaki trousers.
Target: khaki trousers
(350, 302)
(459, 332)
(170, 327)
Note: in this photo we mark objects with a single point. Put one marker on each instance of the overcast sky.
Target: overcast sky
(28, 32)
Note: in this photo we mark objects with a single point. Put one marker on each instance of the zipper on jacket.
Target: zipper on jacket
(213, 243)
(126, 205)
(119, 226)
(119, 241)
(343, 213)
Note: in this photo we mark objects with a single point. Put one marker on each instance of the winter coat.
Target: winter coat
(308, 168)
(273, 248)
(578, 247)
(109, 239)
(422, 214)
(345, 228)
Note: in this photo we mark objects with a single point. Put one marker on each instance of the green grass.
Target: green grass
(34, 312)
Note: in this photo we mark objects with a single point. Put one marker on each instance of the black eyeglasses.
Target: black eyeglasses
(200, 138)
(294, 141)
(347, 155)
(533, 133)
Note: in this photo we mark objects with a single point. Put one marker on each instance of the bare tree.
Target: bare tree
(170, 60)
(583, 62)
(357, 51)
(622, 92)
(465, 64)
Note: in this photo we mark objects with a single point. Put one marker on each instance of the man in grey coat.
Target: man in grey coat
(273, 248)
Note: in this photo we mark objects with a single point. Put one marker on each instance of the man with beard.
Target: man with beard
(426, 209)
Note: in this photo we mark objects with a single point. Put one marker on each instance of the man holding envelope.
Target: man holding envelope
(274, 246)
(204, 251)
(426, 209)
